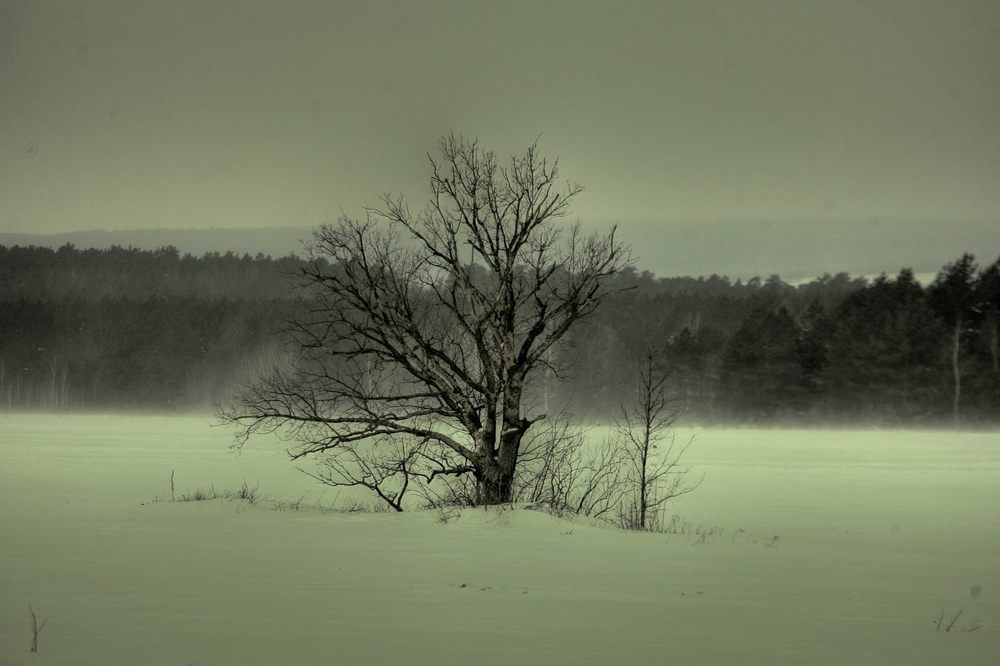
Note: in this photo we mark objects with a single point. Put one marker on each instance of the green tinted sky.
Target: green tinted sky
(195, 114)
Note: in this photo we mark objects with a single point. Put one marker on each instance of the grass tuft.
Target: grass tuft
(200, 495)
(36, 628)
(248, 494)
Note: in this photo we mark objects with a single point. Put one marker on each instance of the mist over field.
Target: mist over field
(157, 330)
(799, 546)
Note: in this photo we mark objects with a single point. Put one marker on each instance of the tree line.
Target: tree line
(837, 349)
(127, 328)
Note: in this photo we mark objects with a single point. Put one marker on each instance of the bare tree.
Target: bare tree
(653, 454)
(561, 472)
(383, 465)
(953, 296)
(430, 324)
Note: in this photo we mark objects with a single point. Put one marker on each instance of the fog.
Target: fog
(551, 332)
(123, 115)
(158, 330)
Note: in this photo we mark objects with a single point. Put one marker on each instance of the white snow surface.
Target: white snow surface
(820, 547)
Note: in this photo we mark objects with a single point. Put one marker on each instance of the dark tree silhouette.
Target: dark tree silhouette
(156, 329)
(883, 353)
(430, 324)
(953, 297)
(988, 306)
(761, 375)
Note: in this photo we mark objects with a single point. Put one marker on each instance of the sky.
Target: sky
(195, 114)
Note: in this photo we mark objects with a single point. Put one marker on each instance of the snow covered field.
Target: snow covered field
(819, 547)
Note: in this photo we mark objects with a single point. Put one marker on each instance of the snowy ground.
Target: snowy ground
(836, 547)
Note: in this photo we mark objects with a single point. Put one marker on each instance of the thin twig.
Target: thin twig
(955, 619)
(36, 628)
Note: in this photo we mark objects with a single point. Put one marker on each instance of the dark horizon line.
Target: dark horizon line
(869, 219)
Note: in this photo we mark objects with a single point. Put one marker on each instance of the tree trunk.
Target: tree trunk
(955, 373)
(494, 487)
(993, 342)
(495, 481)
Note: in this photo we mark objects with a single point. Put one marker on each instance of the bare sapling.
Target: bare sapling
(652, 452)
(560, 472)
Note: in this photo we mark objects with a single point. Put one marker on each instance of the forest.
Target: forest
(129, 329)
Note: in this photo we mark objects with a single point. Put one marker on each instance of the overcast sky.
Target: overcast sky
(127, 114)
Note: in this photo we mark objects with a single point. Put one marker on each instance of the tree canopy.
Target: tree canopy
(431, 323)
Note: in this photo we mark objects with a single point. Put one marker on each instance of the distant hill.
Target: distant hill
(275, 241)
(798, 250)
(793, 249)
